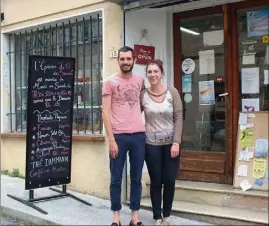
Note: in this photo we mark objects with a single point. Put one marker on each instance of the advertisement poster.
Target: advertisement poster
(206, 93)
(252, 104)
(186, 83)
(246, 137)
(259, 168)
(257, 22)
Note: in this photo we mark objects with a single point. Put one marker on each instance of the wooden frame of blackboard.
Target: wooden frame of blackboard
(52, 181)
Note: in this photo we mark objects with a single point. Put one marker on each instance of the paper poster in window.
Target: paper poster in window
(261, 148)
(213, 38)
(251, 104)
(250, 80)
(207, 62)
(259, 168)
(206, 93)
(257, 22)
(246, 137)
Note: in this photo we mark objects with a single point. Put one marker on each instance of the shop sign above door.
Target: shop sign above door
(144, 54)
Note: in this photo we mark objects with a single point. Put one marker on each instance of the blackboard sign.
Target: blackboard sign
(49, 121)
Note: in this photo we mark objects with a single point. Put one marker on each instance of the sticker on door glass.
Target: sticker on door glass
(186, 83)
(188, 66)
(187, 98)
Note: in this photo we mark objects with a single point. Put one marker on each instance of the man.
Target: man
(125, 132)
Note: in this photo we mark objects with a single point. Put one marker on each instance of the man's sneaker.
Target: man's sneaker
(159, 222)
(166, 221)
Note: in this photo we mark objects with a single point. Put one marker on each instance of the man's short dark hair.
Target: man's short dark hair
(126, 49)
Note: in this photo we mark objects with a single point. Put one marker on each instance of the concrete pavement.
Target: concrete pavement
(67, 211)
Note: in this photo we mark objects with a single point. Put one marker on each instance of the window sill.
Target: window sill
(75, 137)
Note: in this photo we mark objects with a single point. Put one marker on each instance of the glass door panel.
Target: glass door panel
(253, 59)
(203, 83)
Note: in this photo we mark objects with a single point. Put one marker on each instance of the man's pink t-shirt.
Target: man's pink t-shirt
(125, 103)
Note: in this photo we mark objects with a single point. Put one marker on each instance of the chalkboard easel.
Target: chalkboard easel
(49, 127)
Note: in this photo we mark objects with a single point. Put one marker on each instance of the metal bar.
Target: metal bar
(70, 37)
(84, 70)
(10, 79)
(64, 189)
(63, 39)
(91, 40)
(27, 203)
(56, 36)
(31, 194)
(48, 198)
(77, 88)
(99, 76)
(37, 41)
(44, 50)
(51, 41)
(23, 50)
(25, 77)
(72, 196)
(15, 82)
(31, 43)
(21, 79)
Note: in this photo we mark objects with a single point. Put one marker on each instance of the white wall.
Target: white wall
(158, 34)
(158, 24)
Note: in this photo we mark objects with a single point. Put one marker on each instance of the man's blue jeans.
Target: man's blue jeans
(135, 144)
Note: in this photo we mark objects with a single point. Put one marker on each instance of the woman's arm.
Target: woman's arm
(141, 98)
(177, 115)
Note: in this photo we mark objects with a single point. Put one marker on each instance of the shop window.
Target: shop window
(253, 59)
(78, 38)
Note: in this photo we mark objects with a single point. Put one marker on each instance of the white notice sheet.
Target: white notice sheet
(207, 62)
(250, 80)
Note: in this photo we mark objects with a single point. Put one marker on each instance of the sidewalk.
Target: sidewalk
(67, 211)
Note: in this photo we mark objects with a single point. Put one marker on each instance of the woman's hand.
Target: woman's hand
(175, 150)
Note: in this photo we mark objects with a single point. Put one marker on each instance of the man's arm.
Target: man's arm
(106, 108)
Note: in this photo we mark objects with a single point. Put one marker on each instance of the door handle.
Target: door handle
(223, 94)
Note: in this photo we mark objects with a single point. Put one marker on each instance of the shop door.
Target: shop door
(202, 69)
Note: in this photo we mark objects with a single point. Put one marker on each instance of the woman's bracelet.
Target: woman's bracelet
(176, 143)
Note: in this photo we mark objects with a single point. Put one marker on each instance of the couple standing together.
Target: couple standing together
(157, 142)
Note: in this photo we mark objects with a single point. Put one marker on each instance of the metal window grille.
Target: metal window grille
(81, 39)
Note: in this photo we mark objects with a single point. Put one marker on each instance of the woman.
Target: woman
(163, 114)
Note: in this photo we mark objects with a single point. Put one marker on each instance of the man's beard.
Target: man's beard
(126, 71)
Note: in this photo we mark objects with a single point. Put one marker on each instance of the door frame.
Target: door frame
(225, 175)
(235, 60)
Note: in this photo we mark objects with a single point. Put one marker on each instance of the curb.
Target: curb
(22, 216)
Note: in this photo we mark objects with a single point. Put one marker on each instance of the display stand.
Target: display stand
(31, 199)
